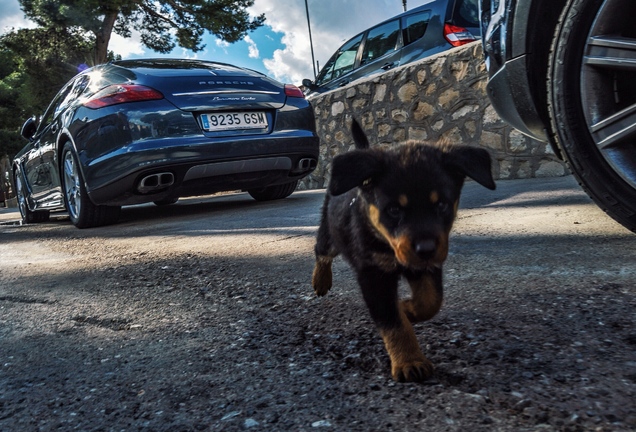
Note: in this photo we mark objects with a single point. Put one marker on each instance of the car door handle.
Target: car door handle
(344, 83)
(388, 66)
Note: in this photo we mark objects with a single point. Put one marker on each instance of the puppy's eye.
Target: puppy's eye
(442, 207)
(394, 212)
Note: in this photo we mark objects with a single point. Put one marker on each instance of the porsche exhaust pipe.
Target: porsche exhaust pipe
(307, 163)
(155, 182)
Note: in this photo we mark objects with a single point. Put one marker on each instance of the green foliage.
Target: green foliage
(162, 24)
(34, 65)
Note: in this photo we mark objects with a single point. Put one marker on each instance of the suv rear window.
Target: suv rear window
(466, 13)
(415, 26)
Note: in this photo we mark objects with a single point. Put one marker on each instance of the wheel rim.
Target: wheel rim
(72, 190)
(608, 86)
(22, 204)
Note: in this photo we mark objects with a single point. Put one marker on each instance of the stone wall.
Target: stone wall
(440, 98)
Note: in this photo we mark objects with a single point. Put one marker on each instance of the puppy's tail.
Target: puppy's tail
(359, 137)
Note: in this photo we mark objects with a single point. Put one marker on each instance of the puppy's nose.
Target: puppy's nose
(425, 248)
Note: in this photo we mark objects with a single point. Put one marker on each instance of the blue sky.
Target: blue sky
(281, 47)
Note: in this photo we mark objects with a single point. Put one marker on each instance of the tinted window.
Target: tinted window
(74, 92)
(380, 41)
(415, 26)
(466, 13)
(80, 85)
(55, 107)
(341, 62)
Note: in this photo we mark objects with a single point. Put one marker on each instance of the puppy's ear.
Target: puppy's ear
(359, 137)
(353, 169)
(473, 162)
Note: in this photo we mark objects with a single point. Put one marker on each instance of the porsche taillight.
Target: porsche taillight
(122, 93)
(293, 91)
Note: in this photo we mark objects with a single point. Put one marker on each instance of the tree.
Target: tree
(163, 24)
(34, 65)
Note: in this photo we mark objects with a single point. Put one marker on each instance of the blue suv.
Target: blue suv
(421, 32)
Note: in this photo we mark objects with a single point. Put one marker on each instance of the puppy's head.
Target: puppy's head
(410, 193)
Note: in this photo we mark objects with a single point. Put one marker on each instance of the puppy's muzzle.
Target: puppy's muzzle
(422, 252)
(425, 249)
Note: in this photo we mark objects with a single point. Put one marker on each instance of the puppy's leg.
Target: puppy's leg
(380, 294)
(427, 295)
(321, 278)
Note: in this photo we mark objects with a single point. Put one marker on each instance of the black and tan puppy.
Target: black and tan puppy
(389, 212)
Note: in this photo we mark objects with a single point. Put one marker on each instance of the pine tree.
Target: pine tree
(163, 24)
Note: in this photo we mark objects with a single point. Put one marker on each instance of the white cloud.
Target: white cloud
(126, 47)
(12, 17)
(251, 47)
(221, 43)
(332, 23)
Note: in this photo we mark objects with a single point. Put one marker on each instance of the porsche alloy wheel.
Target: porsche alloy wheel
(81, 210)
(27, 215)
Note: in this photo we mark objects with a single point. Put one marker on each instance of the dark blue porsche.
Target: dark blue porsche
(154, 130)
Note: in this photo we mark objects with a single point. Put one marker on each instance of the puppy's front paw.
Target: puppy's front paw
(412, 371)
(322, 277)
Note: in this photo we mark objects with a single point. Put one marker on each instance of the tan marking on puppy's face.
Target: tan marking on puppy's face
(403, 200)
(399, 251)
(401, 245)
(374, 218)
(403, 251)
(434, 197)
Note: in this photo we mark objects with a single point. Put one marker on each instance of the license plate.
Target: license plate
(234, 121)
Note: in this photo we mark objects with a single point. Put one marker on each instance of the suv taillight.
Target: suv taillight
(457, 36)
(122, 93)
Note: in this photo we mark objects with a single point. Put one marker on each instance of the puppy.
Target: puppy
(389, 213)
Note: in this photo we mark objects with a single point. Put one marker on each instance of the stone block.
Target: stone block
(517, 142)
(492, 140)
(408, 92)
(423, 110)
(550, 168)
(380, 93)
(399, 115)
(417, 134)
(337, 108)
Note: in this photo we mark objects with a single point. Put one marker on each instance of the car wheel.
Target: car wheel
(27, 215)
(166, 201)
(273, 192)
(592, 101)
(81, 210)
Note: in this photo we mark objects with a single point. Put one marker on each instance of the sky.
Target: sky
(280, 48)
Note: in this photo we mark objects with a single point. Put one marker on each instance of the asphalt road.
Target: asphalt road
(517, 209)
(200, 316)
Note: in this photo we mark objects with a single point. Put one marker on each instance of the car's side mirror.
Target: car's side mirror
(309, 84)
(28, 128)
